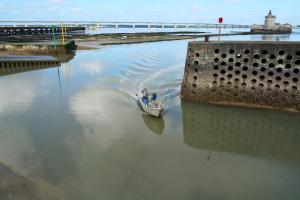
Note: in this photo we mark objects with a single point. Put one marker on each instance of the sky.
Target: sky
(193, 11)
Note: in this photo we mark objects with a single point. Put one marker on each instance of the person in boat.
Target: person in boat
(154, 97)
(145, 99)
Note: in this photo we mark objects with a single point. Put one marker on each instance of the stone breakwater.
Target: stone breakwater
(260, 74)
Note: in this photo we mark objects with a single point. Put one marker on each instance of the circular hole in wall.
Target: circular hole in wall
(244, 76)
(279, 69)
(217, 51)
(237, 72)
(255, 64)
(281, 52)
(216, 67)
(296, 71)
(238, 64)
(264, 61)
(246, 51)
(295, 80)
(230, 68)
(245, 68)
(278, 78)
(230, 60)
(272, 56)
(271, 65)
(280, 61)
(262, 77)
(264, 52)
(270, 73)
(287, 74)
(254, 73)
(256, 56)
(289, 57)
(216, 60)
(263, 69)
(261, 85)
(224, 55)
(231, 51)
(288, 66)
(269, 82)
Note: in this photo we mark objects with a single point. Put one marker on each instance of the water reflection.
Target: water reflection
(157, 125)
(257, 133)
(271, 37)
(25, 66)
(19, 92)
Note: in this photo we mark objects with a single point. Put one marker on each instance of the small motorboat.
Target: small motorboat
(150, 104)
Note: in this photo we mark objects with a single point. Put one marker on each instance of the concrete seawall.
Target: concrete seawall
(262, 74)
(42, 48)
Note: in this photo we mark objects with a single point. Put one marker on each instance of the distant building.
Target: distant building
(270, 26)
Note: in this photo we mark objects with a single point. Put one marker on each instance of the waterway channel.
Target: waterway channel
(77, 130)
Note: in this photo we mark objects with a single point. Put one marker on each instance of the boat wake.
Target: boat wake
(163, 79)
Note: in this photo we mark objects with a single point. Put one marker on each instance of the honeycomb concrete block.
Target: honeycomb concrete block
(260, 74)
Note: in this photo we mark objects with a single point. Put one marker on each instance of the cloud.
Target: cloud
(196, 7)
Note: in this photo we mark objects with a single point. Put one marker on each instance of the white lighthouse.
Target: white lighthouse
(271, 27)
(270, 21)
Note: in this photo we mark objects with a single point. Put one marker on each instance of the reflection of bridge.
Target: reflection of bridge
(258, 133)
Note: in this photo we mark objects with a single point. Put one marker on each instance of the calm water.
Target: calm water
(77, 131)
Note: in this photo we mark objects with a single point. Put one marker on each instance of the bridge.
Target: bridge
(102, 24)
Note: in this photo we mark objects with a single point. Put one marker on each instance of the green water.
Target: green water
(78, 131)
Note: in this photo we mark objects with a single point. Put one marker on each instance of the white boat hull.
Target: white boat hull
(156, 111)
